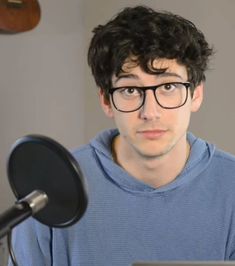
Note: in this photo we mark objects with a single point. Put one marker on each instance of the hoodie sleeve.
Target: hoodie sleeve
(31, 243)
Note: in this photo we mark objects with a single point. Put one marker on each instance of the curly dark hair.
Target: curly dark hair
(143, 34)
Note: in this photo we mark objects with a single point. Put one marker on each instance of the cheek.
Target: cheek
(179, 119)
(125, 122)
(184, 120)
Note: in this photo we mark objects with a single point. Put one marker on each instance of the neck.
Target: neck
(155, 171)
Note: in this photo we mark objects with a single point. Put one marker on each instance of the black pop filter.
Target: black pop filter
(39, 163)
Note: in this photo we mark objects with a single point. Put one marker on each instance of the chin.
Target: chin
(153, 153)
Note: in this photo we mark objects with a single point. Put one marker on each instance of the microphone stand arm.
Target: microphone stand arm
(22, 209)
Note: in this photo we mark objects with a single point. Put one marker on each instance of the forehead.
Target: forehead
(169, 67)
(160, 63)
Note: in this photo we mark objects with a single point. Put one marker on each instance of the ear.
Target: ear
(197, 97)
(105, 104)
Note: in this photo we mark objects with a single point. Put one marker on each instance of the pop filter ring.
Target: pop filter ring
(73, 204)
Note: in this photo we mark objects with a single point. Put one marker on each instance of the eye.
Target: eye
(170, 86)
(130, 91)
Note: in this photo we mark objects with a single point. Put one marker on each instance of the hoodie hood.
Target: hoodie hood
(200, 156)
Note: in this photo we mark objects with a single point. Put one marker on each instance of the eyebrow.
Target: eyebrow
(136, 77)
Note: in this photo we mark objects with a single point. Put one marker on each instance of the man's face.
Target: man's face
(153, 131)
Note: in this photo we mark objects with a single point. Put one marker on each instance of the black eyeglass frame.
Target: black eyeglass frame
(153, 88)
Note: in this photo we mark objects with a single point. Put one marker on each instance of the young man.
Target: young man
(156, 192)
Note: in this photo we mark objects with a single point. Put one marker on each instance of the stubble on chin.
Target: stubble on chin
(152, 153)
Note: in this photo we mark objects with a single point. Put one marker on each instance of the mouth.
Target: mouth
(152, 133)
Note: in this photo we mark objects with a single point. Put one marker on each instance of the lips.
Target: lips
(152, 133)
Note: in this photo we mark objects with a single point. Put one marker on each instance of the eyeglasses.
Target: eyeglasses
(169, 95)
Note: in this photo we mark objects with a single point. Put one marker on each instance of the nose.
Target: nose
(151, 109)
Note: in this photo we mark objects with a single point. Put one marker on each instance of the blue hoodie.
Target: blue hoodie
(192, 218)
